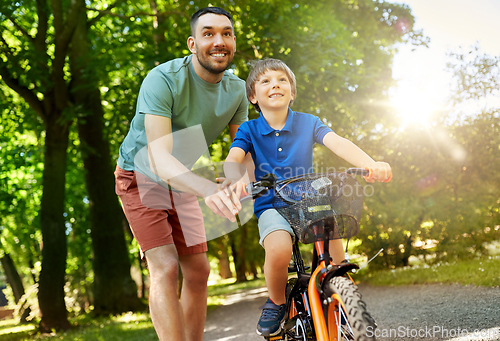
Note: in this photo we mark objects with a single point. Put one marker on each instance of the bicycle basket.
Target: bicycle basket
(334, 200)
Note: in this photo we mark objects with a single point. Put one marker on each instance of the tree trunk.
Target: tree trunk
(238, 251)
(15, 283)
(54, 243)
(114, 289)
(224, 268)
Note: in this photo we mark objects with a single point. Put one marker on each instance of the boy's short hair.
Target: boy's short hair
(260, 67)
(206, 10)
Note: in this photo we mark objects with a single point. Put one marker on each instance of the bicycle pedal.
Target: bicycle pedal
(280, 336)
(275, 338)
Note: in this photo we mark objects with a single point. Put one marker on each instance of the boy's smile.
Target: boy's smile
(273, 91)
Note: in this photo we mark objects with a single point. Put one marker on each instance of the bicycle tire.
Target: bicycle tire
(360, 325)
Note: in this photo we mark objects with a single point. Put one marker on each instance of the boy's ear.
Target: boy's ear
(252, 99)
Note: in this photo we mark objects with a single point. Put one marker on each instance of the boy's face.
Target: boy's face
(273, 91)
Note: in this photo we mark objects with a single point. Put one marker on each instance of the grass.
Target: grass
(480, 272)
(129, 326)
(125, 327)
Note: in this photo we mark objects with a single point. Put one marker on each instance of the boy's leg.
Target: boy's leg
(336, 250)
(278, 246)
(276, 238)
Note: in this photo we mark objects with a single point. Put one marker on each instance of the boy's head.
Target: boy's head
(259, 69)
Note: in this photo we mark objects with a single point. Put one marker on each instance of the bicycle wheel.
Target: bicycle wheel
(347, 317)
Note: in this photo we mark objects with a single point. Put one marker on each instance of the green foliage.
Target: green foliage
(444, 196)
(20, 175)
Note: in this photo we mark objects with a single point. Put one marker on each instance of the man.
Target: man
(193, 97)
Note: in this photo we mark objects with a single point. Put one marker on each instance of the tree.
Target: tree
(442, 202)
(115, 291)
(53, 108)
(86, 62)
(48, 89)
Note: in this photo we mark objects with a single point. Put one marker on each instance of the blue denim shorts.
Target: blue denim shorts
(269, 221)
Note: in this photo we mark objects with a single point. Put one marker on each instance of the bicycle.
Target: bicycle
(324, 304)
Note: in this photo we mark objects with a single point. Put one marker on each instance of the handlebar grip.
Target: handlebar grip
(359, 171)
(389, 179)
(370, 173)
(245, 191)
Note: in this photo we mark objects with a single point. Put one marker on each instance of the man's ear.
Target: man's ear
(190, 44)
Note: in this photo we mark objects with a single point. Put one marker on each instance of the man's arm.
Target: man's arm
(169, 169)
(356, 156)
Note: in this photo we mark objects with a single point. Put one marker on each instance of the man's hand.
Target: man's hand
(224, 203)
(381, 171)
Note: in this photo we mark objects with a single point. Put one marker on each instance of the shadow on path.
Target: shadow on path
(237, 319)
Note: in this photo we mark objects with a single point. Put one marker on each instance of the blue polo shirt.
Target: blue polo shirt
(286, 153)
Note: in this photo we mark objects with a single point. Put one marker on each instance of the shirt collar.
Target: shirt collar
(266, 129)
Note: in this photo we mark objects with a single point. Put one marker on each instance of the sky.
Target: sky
(450, 24)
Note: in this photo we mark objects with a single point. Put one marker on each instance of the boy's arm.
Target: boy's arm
(247, 161)
(357, 157)
(237, 176)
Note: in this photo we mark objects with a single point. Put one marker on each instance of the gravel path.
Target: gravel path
(417, 312)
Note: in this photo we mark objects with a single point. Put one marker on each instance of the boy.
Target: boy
(280, 142)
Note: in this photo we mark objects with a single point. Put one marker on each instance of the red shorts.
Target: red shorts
(158, 216)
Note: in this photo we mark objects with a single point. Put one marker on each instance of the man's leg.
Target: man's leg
(164, 304)
(195, 270)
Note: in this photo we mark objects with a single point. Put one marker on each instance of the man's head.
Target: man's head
(263, 73)
(212, 42)
(207, 10)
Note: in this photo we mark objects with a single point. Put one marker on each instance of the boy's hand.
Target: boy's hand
(381, 171)
(236, 188)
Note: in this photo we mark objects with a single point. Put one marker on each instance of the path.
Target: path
(418, 312)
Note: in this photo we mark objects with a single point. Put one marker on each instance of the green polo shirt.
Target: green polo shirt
(199, 110)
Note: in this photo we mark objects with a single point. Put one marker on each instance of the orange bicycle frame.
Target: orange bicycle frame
(319, 321)
(314, 299)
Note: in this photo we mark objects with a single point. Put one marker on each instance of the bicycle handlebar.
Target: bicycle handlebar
(257, 189)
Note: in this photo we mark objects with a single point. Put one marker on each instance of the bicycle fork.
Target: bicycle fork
(325, 327)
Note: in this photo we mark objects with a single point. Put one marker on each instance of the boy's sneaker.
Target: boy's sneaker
(270, 319)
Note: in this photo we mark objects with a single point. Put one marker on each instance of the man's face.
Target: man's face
(214, 43)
